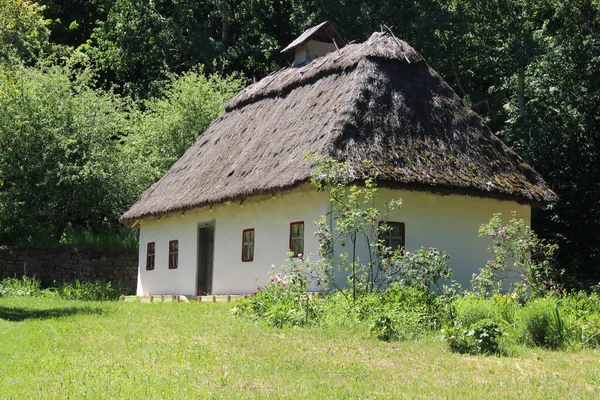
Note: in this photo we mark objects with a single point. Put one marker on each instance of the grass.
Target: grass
(53, 348)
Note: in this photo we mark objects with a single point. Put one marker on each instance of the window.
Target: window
(394, 236)
(248, 245)
(173, 254)
(297, 238)
(150, 256)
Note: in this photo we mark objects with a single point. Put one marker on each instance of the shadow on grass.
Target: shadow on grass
(19, 314)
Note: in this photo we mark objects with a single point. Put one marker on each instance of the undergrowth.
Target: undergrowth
(76, 290)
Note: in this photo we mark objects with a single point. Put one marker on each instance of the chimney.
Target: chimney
(314, 43)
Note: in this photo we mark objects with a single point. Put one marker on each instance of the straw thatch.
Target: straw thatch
(376, 100)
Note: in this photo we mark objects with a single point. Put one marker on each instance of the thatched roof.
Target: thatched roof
(376, 100)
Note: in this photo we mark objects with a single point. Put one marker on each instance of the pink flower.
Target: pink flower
(299, 254)
(296, 270)
(408, 253)
(473, 276)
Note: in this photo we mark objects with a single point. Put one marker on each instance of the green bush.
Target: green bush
(543, 324)
(468, 310)
(384, 328)
(583, 311)
(282, 301)
(482, 337)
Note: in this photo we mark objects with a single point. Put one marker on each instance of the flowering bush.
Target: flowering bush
(355, 218)
(518, 255)
(282, 301)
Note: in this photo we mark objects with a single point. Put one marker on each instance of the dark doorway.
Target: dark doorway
(206, 238)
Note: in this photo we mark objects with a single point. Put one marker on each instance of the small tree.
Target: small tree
(354, 217)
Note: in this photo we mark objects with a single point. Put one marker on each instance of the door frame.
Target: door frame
(204, 225)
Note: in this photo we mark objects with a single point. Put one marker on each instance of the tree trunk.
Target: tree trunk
(457, 79)
(225, 22)
(521, 94)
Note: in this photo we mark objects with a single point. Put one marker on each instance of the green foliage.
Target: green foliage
(77, 290)
(383, 328)
(59, 154)
(543, 324)
(480, 338)
(172, 122)
(519, 255)
(23, 31)
(73, 158)
(20, 287)
(356, 220)
(283, 301)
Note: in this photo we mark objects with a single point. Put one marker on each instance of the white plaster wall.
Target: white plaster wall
(450, 223)
(269, 216)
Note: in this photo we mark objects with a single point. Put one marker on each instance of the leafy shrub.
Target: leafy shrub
(543, 325)
(474, 326)
(584, 310)
(518, 255)
(468, 310)
(384, 328)
(282, 301)
(480, 338)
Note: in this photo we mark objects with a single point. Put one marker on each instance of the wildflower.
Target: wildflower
(559, 289)
(296, 270)
(387, 290)
(385, 267)
(299, 254)
(431, 249)
(408, 253)
(272, 279)
(473, 276)
(548, 285)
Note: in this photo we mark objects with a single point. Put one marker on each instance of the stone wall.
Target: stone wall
(67, 264)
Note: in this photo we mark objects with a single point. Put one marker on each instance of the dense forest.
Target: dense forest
(99, 97)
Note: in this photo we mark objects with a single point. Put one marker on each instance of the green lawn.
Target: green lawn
(53, 348)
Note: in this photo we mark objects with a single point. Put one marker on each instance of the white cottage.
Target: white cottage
(239, 199)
